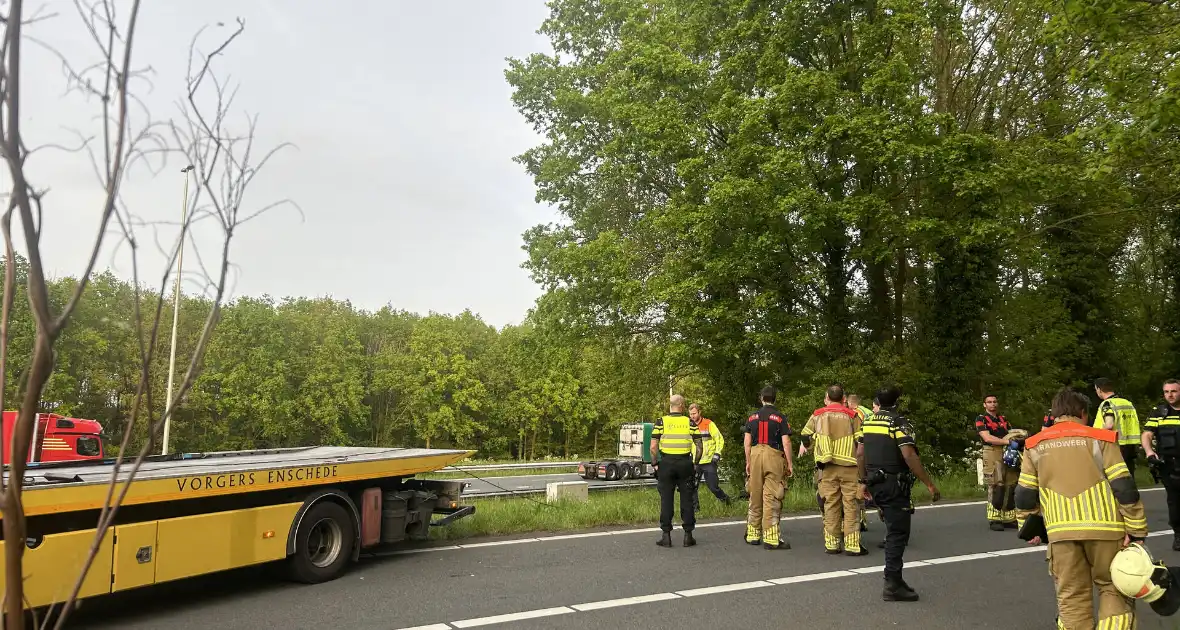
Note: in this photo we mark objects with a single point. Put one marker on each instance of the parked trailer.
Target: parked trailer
(313, 509)
(633, 462)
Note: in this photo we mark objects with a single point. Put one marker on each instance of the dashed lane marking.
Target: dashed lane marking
(649, 530)
(727, 588)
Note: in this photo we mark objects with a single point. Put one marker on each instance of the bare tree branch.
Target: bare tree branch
(225, 166)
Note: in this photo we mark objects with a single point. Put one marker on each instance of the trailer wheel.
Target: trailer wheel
(612, 472)
(626, 473)
(323, 544)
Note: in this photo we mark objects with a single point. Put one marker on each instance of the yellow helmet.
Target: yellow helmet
(1132, 570)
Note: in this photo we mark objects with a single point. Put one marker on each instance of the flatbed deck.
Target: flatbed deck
(60, 488)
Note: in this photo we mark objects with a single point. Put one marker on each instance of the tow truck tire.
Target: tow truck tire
(626, 473)
(323, 544)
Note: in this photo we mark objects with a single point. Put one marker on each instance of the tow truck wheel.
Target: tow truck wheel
(323, 544)
(626, 473)
(612, 472)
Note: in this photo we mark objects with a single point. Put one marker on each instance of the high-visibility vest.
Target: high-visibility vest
(865, 413)
(676, 432)
(713, 441)
(1126, 420)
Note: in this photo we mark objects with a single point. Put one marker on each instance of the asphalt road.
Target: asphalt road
(517, 483)
(619, 578)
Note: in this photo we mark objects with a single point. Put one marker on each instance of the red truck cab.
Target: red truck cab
(57, 438)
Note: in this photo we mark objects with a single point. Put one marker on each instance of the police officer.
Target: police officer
(1117, 414)
(675, 445)
(713, 442)
(768, 457)
(889, 463)
(1164, 456)
(835, 430)
(999, 479)
(1075, 484)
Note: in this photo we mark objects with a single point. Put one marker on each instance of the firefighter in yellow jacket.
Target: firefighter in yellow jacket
(1073, 477)
(835, 430)
(768, 457)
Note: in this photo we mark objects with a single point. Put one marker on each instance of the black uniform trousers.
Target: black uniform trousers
(675, 473)
(1130, 454)
(708, 473)
(893, 499)
(1170, 478)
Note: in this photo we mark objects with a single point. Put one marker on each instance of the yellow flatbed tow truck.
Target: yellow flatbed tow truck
(189, 514)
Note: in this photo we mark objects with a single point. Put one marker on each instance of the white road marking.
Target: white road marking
(795, 579)
(738, 586)
(520, 616)
(963, 558)
(498, 543)
(576, 536)
(624, 601)
(651, 530)
(724, 588)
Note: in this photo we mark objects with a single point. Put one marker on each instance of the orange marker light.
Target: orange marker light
(268, 534)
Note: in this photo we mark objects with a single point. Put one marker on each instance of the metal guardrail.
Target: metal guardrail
(613, 485)
(524, 466)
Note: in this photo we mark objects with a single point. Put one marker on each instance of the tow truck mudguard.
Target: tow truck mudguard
(314, 498)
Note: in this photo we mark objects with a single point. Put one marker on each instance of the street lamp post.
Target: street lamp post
(176, 310)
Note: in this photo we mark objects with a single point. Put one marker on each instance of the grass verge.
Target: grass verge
(499, 516)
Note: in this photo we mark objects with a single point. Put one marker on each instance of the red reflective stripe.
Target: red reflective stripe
(763, 432)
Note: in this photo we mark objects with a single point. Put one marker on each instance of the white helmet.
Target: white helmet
(1132, 571)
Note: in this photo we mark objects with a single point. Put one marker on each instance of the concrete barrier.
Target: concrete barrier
(567, 490)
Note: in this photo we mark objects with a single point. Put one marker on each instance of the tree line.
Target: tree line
(300, 371)
(959, 196)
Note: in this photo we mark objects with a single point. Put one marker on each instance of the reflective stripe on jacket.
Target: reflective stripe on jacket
(676, 432)
(1075, 477)
(712, 440)
(834, 429)
(1126, 420)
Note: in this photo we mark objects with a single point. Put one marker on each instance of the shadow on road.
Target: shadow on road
(173, 598)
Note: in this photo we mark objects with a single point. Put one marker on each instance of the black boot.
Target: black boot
(996, 526)
(896, 590)
(665, 540)
(881, 545)
(688, 539)
(1176, 543)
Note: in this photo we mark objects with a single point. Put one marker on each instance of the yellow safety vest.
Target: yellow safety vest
(865, 413)
(675, 432)
(1126, 420)
(713, 440)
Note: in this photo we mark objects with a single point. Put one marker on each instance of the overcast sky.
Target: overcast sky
(405, 132)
